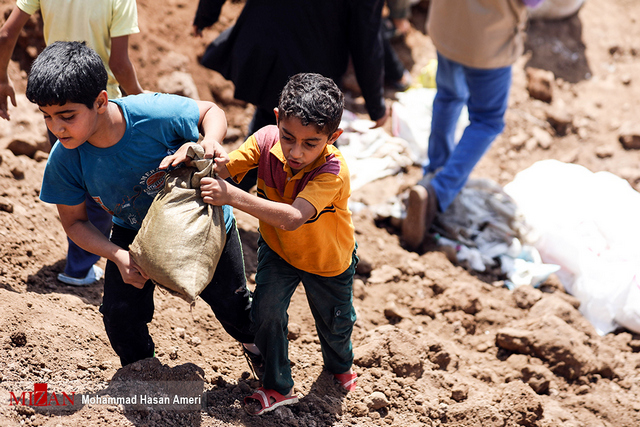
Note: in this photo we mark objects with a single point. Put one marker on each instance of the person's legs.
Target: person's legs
(451, 95)
(487, 104)
(422, 202)
(331, 303)
(227, 294)
(276, 281)
(126, 309)
(394, 69)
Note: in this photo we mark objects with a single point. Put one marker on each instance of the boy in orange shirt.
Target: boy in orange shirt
(306, 232)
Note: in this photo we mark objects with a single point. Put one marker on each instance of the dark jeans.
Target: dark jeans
(80, 261)
(127, 310)
(393, 66)
(331, 303)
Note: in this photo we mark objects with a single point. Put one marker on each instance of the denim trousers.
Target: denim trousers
(485, 92)
(330, 300)
(127, 310)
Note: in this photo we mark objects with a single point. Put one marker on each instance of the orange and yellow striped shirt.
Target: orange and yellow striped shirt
(324, 244)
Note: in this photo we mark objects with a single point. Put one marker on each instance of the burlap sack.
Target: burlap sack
(181, 238)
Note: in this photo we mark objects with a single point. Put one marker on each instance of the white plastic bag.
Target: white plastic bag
(587, 223)
(411, 120)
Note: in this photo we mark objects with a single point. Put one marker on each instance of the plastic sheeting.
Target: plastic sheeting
(588, 224)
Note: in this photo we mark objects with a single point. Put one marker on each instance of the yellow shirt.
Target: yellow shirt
(325, 243)
(95, 22)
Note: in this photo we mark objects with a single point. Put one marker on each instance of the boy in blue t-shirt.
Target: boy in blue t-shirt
(118, 152)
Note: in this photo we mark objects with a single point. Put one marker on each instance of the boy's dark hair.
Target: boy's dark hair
(312, 98)
(66, 72)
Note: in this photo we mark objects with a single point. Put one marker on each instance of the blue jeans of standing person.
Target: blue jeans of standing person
(80, 261)
(127, 310)
(331, 303)
(486, 94)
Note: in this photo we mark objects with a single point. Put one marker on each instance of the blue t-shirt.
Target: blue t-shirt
(125, 177)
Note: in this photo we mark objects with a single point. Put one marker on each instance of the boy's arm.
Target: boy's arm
(216, 191)
(121, 65)
(8, 37)
(213, 127)
(77, 226)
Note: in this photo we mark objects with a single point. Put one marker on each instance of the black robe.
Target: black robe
(274, 39)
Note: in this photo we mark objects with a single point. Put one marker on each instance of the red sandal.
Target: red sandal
(348, 380)
(268, 400)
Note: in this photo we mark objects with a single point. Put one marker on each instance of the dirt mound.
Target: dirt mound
(435, 344)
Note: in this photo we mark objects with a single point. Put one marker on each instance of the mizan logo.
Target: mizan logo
(41, 397)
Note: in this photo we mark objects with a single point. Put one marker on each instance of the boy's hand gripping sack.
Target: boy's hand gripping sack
(181, 238)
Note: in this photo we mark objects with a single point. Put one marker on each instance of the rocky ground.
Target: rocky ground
(436, 344)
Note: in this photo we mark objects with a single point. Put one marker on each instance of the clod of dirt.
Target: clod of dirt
(540, 84)
(19, 339)
(377, 400)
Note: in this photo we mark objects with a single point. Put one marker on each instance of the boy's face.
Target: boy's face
(73, 123)
(302, 145)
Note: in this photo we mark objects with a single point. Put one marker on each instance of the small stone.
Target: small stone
(377, 400)
(18, 173)
(181, 332)
(6, 205)
(540, 84)
(542, 137)
(360, 409)
(604, 151)
(630, 141)
(560, 121)
(196, 341)
(385, 274)
(391, 311)
(459, 392)
(518, 140)
(23, 146)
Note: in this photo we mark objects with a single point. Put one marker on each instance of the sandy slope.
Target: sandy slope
(435, 344)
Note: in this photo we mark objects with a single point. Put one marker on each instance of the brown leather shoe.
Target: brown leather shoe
(422, 207)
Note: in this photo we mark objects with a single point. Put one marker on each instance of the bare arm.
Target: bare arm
(121, 65)
(77, 226)
(8, 37)
(216, 191)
